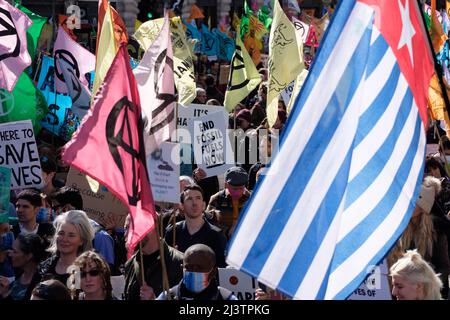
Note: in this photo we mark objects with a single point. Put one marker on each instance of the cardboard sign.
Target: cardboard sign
(164, 172)
(376, 285)
(100, 205)
(212, 148)
(18, 152)
(241, 284)
(224, 74)
(286, 94)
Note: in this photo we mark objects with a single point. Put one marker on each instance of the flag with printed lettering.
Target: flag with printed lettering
(112, 131)
(14, 56)
(344, 184)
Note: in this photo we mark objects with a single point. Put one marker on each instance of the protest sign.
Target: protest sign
(101, 205)
(224, 74)
(118, 286)
(211, 143)
(5, 182)
(376, 285)
(18, 152)
(164, 173)
(241, 284)
(286, 94)
(194, 111)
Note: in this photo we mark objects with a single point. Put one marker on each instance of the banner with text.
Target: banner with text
(100, 206)
(164, 172)
(18, 151)
(211, 143)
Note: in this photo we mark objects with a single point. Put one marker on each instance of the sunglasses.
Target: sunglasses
(92, 273)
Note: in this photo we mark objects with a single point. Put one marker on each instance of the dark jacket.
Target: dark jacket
(47, 270)
(212, 292)
(153, 272)
(208, 235)
(224, 218)
(45, 230)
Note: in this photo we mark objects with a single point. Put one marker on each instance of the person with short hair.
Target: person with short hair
(195, 228)
(27, 252)
(201, 96)
(94, 277)
(229, 201)
(28, 203)
(414, 279)
(51, 289)
(199, 277)
(74, 235)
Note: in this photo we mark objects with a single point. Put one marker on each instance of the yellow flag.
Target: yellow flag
(436, 103)
(236, 21)
(243, 78)
(137, 24)
(106, 52)
(285, 60)
(183, 64)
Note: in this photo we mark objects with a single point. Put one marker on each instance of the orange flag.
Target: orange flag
(438, 36)
(196, 13)
(120, 30)
(436, 103)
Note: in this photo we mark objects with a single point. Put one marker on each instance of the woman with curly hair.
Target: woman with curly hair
(90, 278)
(414, 279)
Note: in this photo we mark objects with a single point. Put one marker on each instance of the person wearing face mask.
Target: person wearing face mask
(195, 228)
(199, 277)
(229, 201)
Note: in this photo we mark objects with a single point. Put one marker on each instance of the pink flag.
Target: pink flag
(155, 79)
(14, 56)
(78, 58)
(108, 146)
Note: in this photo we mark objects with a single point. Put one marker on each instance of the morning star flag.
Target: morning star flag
(80, 60)
(155, 80)
(112, 130)
(345, 181)
(14, 56)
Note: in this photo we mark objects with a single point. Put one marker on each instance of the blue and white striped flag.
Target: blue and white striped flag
(344, 184)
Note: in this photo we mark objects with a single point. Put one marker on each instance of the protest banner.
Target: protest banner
(241, 284)
(101, 205)
(194, 111)
(18, 152)
(211, 143)
(164, 173)
(5, 182)
(376, 285)
(60, 119)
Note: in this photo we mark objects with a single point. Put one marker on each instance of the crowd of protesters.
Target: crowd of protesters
(51, 250)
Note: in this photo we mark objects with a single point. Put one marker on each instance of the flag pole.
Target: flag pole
(437, 66)
(165, 279)
(141, 253)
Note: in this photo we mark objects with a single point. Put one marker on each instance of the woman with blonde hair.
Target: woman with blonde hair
(90, 278)
(414, 279)
(422, 235)
(73, 236)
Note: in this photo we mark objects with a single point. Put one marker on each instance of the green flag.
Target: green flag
(245, 19)
(34, 32)
(25, 102)
(264, 16)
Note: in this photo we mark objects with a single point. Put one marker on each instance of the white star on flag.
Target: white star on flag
(408, 31)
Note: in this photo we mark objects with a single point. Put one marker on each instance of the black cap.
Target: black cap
(236, 176)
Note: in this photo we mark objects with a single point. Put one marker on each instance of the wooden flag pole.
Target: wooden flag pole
(165, 278)
(141, 253)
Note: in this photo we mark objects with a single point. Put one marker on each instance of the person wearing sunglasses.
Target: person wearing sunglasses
(91, 278)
